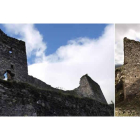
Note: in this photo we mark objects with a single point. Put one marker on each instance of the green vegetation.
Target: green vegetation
(21, 98)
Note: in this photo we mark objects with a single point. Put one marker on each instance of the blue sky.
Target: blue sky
(59, 34)
(60, 54)
(56, 35)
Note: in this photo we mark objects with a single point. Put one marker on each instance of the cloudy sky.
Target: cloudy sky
(60, 54)
(131, 31)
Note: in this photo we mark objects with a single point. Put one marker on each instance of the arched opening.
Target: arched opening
(8, 75)
(5, 76)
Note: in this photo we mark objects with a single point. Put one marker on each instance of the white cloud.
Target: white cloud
(34, 40)
(131, 31)
(65, 67)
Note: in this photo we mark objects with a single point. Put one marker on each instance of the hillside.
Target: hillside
(22, 99)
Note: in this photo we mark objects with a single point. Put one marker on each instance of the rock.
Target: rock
(2, 90)
(43, 104)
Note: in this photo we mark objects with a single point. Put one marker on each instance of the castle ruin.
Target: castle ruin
(89, 88)
(13, 62)
(131, 70)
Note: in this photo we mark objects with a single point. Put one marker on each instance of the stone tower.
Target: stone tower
(13, 59)
(89, 88)
(131, 67)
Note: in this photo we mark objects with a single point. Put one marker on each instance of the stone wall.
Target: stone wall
(21, 99)
(89, 88)
(119, 82)
(13, 58)
(131, 68)
(37, 83)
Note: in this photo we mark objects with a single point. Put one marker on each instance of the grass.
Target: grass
(33, 89)
(57, 102)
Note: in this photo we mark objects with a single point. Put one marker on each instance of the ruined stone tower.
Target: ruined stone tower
(89, 88)
(13, 60)
(131, 67)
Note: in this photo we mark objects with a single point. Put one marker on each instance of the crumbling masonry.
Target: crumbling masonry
(13, 61)
(13, 58)
(131, 68)
(89, 88)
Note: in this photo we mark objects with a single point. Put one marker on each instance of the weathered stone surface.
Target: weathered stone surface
(89, 88)
(38, 83)
(13, 58)
(2, 90)
(131, 70)
(21, 99)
